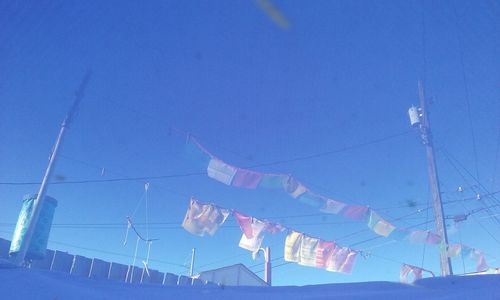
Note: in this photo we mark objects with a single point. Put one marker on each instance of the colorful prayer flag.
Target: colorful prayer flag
(342, 260)
(324, 253)
(272, 181)
(312, 199)
(245, 223)
(220, 171)
(379, 225)
(454, 250)
(294, 187)
(292, 246)
(252, 242)
(355, 212)
(204, 218)
(246, 179)
(308, 248)
(418, 236)
(333, 206)
(406, 270)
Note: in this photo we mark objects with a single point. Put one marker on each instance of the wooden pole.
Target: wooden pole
(38, 203)
(425, 130)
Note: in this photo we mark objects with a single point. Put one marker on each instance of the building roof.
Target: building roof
(234, 275)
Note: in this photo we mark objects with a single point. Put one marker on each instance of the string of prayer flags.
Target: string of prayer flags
(244, 178)
(313, 252)
(379, 225)
(203, 218)
(407, 270)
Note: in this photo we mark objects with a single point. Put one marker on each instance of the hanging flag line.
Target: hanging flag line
(245, 178)
(303, 249)
(300, 248)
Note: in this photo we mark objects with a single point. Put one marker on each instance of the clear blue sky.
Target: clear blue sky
(344, 73)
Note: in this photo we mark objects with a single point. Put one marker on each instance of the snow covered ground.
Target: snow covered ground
(39, 284)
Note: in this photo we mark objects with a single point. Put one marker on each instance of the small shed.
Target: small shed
(235, 275)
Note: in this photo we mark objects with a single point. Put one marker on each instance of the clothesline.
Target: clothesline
(301, 248)
(230, 175)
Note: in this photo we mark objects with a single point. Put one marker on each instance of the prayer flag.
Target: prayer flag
(418, 236)
(478, 256)
(274, 227)
(433, 238)
(253, 241)
(454, 250)
(407, 270)
(294, 187)
(311, 199)
(356, 212)
(308, 249)
(379, 225)
(342, 260)
(333, 207)
(324, 253)
(221, 171)
(246, 179)
(292, 246)
(272, 181)
(245, 223)
(203, 218)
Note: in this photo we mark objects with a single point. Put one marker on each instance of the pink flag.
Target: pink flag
(204, 218)
(220, 171)
(406, 270)
(478, 256)
(342, 260)
(356, 212)
(433, 238)
(246, 179)
(245, 224)
(324, 253)
(333, 207)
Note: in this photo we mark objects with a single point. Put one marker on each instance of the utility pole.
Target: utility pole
(38, 203)
(420, 117)
(191, 268)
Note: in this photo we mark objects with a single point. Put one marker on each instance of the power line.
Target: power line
(466, 88)
(168, 176)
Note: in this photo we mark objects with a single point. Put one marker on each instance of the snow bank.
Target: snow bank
(40, 284)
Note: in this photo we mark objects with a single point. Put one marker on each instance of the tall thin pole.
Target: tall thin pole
(191, 268)
(267, 266)
(425, 129)
(38, 203)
